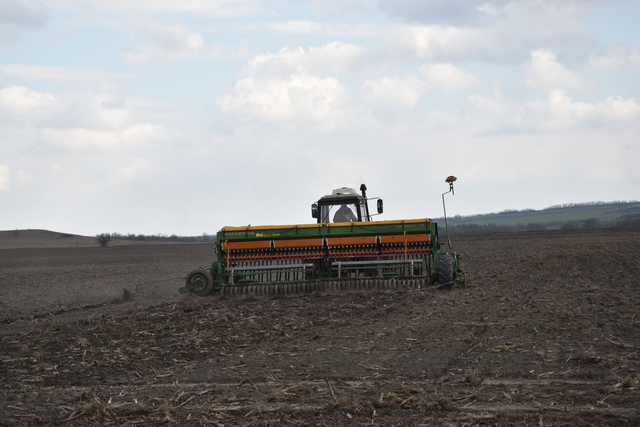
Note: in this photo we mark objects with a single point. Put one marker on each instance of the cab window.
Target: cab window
(345, 213)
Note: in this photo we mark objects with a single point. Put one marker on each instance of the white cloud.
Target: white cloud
(394, 92)
(97, 110)
(4, 178)
(558, 113)
(279, 88)
(494, 108)
(446, 77)
(431, 42)
(545, 72)
(167, 44)
(83, 139)
(342, 8)
(301, 27)
(15, 72)
(298, 96)
(221, 51)
(23, 178)
(133, 171)
(291, 85)
(326, 28)
(479, 12)
(458, 12)
(209, 8)
(92, 109)
(405, 92)
(334, 57)
(489, 36)
(24, 14)
(24, 104)
(615, 57)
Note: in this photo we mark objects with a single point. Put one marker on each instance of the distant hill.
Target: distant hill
(570, 216)
(13, 239)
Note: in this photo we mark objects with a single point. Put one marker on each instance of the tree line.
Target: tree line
(584, 224)
(103, 239)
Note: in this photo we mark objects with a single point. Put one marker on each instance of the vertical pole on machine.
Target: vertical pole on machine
(450, 179)
(405, 247)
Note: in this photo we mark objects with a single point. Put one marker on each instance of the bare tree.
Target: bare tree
(103, 239)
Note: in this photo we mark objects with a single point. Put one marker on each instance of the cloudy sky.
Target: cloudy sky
(165, 116)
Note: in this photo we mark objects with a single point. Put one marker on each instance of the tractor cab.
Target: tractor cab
(344, 205)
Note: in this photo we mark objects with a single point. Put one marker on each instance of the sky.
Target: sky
(181, 117)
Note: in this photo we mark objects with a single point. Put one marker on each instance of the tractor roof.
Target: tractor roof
(339, 193)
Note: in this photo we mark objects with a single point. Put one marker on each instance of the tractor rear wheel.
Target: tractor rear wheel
(205, 279)
(446, 276)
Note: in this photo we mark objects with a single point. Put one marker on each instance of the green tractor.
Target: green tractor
(345, 250)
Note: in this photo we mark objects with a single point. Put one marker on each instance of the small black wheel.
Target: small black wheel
(205, 279)
(446, 276)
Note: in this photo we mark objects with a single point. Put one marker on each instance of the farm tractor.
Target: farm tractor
(345, 250)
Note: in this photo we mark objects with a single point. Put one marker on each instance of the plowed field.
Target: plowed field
(546, 332)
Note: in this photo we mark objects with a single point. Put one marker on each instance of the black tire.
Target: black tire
(446, 276)
(206, 279)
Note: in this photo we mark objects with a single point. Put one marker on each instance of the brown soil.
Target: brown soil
(546, 332)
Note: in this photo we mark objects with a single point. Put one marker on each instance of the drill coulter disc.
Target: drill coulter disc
(332, 286)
